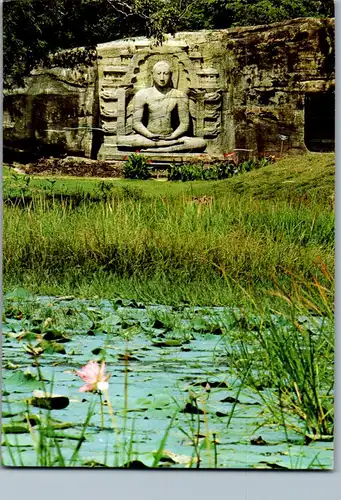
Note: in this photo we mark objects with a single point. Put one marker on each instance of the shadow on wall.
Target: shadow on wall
(41, 125)
(319, 121)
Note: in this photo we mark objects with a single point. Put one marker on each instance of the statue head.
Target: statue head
(162, 74)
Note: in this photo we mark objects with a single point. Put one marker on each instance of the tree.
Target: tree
(230, 13)
(35, 29)
(253, 12)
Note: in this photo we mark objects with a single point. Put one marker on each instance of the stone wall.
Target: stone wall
(54, 114)
(257, 88)
(273, 70)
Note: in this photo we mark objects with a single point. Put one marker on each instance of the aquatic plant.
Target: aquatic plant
(94, 376)
(292, 355)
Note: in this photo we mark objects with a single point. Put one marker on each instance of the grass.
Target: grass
(291, 355)
(305, 175)
(155, 241)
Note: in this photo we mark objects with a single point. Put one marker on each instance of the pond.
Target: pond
(176, 399)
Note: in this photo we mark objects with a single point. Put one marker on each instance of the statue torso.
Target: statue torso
(160, 106)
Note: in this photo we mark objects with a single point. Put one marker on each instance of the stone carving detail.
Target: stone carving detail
(126, 57)
(196, 58)
(112, 108)
(208, 78)
(209, 102)
(179, 112)
(159, 102)
(114, 73)
(246, 87)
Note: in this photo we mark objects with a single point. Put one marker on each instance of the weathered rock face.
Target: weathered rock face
(260, 88)
(55, 113)
(275, 72)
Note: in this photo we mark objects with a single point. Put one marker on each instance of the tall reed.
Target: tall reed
(178, 240)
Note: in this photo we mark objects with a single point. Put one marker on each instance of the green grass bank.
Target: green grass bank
(203, 242)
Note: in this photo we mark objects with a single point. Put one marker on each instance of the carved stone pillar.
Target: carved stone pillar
(208, 98)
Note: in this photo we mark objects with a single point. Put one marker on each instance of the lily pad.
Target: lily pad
(193, 409)
(259, 441)
(15, 428)
(23, 381)
(52, 347)
(159, 373)
(170, 343)
(55, 335)
(48, 401)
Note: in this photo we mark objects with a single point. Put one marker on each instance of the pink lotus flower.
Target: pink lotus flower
(94, 376)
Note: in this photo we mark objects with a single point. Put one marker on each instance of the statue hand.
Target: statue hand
(168, 137)
(155, 137)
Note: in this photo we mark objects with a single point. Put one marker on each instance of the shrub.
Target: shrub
(248, 165)
(186, 172)
(218, 171)
(136, 167)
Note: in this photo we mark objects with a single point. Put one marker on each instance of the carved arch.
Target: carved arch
(185, 67)
(139, 60)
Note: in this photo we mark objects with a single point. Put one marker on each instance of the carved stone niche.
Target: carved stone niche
(127, 70)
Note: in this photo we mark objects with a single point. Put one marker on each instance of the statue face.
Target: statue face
(161, 74)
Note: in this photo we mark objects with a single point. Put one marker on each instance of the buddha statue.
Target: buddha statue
(159, 103)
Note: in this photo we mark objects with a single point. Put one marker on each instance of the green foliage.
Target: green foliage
(35, 29)
(213, 14)
(186, 172)
(198, 171)
(136, 167)
(249, 165)
(254, 245)
(218, 171)
(249, 13)
(290, 353)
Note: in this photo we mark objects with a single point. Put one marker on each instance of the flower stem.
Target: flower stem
(111, 412)
(102, 412)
